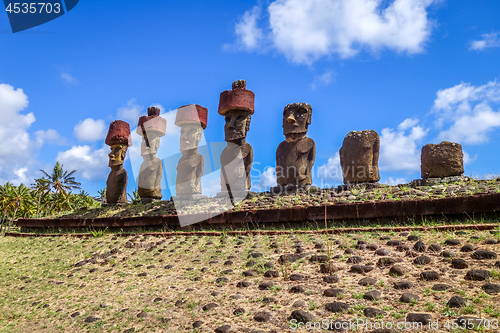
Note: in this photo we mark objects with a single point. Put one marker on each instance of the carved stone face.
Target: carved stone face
(237, 124)
(117, 155)
(190, 136)
(154, 144)
(296, 119)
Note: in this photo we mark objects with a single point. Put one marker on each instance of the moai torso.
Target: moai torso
(116, 186)
(192, 119)
(445, 159)
(359, 157)
(151, 127)
(149, 182)
(236, 163)
(189, 172)
(294, 162)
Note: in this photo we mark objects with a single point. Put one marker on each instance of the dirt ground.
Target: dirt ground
(251, 284)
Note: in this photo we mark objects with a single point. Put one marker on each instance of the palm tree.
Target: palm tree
(60, 181)
(41, 188)
(4, 202)
(102, 195)
(15, 197)
(63, 202)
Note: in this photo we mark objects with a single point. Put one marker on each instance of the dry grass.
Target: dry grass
(42, 270)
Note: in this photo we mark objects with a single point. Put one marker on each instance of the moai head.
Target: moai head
(117, 155)
(118, 139)
(154, 144)
(237, 124)
(151, 127)
(296, 118)
(237, 106)
(192, 119)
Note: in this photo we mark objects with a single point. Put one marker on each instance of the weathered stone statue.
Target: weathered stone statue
(119, 140)
(295, 156)
(151, 127)
(359, 157)
(237, 106)
(442, 160)
(192, 119)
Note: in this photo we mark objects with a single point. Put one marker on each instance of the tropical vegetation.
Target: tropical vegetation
(49, 195)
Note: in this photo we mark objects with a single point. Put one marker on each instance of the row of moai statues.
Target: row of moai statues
(295, 156)
(236, 105)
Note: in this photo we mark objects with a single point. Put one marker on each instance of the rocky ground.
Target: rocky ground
(250, 283)
(437, 188)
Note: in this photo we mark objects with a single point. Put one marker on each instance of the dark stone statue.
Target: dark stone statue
(237, 106)
(445, 159)
(359, 157)
(295, 156)
(119, 140)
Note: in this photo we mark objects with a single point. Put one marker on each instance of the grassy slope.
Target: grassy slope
(32, 269)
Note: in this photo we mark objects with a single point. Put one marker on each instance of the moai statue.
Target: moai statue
(295, 156)
(359, 157)
(442, 160)
(119, 140)
(192, 119)
(151, 127)
(237, 106)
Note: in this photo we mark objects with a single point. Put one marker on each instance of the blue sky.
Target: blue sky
(415, 71)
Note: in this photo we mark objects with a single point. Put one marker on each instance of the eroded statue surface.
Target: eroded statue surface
(359, 157)
(295, 156)
(151, 127)
(192, 119)
(237, 107)
(119, 139)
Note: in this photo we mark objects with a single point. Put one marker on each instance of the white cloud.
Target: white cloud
(265, 180)
(131, 112)
(21, 175)
(407, 123)
(323, 80)
(249, 35)
(473, 128)
(488, 41)
(210, 184)
(68, 78)
(50, 136)
(90, 130)
(90, 164)
(457, 99)
(467, 111)
(468, 159)
(16, 149)
(331, 172)
(399, 150)
(305, 30)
